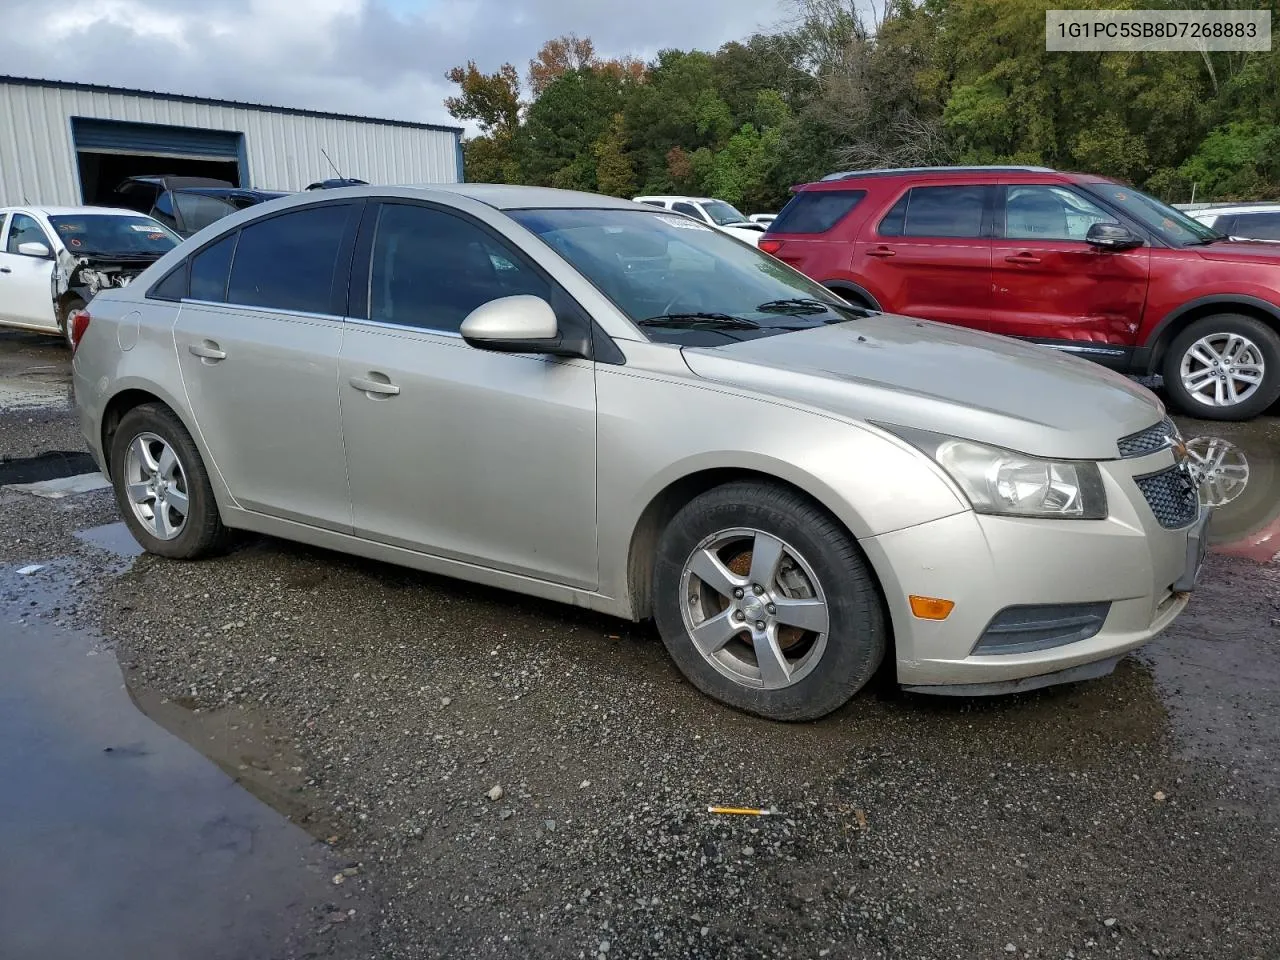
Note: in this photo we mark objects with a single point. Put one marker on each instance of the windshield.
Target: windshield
(106, 234)
(723, 213)
(1173, 226)
(681, 281)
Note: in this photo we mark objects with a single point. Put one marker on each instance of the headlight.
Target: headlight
(1012, 484)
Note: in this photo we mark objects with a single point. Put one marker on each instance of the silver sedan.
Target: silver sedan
(612, 406)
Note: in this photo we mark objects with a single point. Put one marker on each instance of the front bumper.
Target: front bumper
(987, 564)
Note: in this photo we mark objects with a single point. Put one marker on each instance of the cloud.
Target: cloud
(381, 58)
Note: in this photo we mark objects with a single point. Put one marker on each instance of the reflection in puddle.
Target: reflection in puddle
(114, 538)
(1240, 479)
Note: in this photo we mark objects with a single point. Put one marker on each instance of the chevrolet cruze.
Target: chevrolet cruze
(620, 408)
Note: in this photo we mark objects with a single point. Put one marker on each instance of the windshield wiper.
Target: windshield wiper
(802, 305)
(1207, 240)
(721, 321)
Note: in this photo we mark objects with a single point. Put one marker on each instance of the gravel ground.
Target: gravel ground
(519, 779)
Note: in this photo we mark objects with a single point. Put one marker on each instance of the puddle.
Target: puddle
(121, 840)
(1238, 468)
(51, 465)
(114, 538)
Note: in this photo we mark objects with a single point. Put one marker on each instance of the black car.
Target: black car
(187, 204)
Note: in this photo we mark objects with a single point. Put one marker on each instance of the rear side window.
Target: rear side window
(210, 269)
(688, 209)
(950, 211)
(1256, 226)
(288, 262)
(816, 211)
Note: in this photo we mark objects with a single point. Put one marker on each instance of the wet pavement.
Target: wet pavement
(375, 709)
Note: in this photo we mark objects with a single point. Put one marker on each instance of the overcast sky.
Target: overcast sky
(379, 58)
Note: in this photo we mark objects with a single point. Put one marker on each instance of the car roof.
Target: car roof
(500, 196)
(1262, 206)
(170, 182)
(71, 211)
(671, 196)
(959, 171)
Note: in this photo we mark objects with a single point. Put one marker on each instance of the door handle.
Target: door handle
(1022, 258)
(382, 388)
(207, 350)
(881, 252)
(5, 270)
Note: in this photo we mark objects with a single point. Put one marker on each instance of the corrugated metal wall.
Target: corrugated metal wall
(37, 156)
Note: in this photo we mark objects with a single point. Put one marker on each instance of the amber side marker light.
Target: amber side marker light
(931, 608)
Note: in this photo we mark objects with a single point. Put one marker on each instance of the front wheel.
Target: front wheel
(1223, 367)
(766, 603)
(65, 309)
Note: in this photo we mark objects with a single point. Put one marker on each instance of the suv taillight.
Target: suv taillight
(770, 247)
(77, 324)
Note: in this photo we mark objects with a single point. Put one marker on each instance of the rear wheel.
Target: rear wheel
(765, 602)
(161, 486)
(1223, 367)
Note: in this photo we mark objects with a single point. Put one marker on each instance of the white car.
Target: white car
(54, 259)
(1247, 221)
(764, 219)
(715, 213)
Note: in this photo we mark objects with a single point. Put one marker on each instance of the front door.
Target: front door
(930, 255)
(257, 341)
(1053, 287)
(26, 282)
(477, 456)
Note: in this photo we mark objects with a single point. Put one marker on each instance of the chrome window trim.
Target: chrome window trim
(275, 311)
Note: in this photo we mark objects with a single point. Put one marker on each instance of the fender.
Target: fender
(1146, 357)
(848, 286)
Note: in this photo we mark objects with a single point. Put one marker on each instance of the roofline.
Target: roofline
(235, 104)
(895, 171)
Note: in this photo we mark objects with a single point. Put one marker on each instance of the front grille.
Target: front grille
(1172, 496)
(1155, 437)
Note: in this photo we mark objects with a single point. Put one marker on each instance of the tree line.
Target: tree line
(846, 85)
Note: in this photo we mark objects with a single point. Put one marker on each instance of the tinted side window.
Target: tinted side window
(430, 269)
(689, 209)
(944, 211)
(816, 211)
(24, 229)
(210, 269)
(173, 286)
(288, 262)
(163, 210)
(891, 225)
(198, 211)
(1257, 226)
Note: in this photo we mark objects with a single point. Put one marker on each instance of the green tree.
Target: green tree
(564, 125)
(614, 172)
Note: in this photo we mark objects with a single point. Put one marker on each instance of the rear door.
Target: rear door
(258, 338)
(26, 282)
(1052, 286)
(930, 254)
(469, 454)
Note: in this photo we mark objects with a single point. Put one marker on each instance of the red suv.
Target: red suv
(1077, 262)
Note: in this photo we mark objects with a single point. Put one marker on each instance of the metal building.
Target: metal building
(73, 143)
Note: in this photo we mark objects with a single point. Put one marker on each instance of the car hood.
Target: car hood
(898, 370)
(1246, 251)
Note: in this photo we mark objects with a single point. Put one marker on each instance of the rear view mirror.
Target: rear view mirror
(34, 249)
(519, 324)
(1111, 236)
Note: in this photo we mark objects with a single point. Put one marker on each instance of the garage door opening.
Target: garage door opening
(109, 151)
(101, 173)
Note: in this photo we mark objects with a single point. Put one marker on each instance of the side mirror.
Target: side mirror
(520, 324)
(1111, 236)
(35, 249)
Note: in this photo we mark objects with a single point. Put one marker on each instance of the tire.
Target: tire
(1212, 336)
(65, 309)
(823, 669)
(201, 531)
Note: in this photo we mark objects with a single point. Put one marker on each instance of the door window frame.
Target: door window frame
(574, 319)
(1002, 199)
(989, 211)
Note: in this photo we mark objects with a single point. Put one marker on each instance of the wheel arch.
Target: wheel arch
(847, 288)
(128, 398)
(668, 501)
(1178, 320)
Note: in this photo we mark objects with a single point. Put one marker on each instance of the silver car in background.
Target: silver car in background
(613, 406)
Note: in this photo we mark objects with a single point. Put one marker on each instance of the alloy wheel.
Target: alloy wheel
(754, 608)
(1222, 369)
(156, 486)
(1219, 468)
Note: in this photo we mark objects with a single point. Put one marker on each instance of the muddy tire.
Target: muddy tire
(765, 602)
(162, 487)
(1223, 367)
